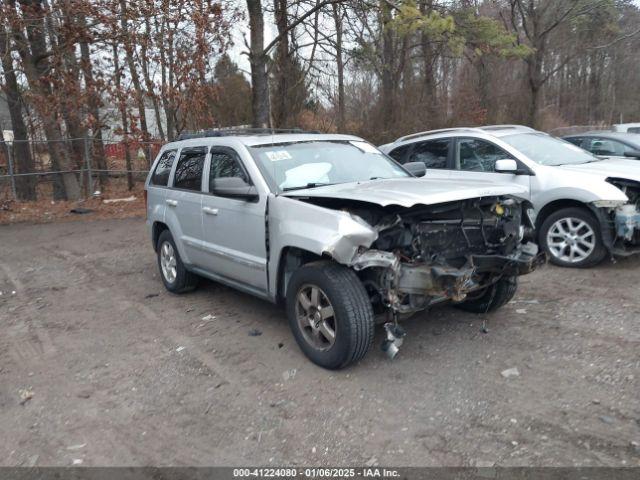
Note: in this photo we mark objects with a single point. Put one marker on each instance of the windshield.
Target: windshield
(297, 165)
(547, 150)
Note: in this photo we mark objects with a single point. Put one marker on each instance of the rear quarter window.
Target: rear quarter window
(160, 175)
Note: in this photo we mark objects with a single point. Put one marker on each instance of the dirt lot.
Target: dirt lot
(123, 373)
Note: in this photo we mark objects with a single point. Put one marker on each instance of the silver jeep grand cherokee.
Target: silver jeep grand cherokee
(334, 229)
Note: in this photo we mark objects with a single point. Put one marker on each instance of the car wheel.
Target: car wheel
(571, 237)
(492, 297)
(330, 314)
(175, 276)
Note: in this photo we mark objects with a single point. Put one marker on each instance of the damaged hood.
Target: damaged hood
(407, 192)
(629, 169)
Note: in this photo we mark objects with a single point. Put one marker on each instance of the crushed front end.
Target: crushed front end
(427, 254)
(621, 223)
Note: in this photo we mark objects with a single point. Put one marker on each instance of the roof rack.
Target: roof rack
(507, 127)
(226, 132)
(441, 130)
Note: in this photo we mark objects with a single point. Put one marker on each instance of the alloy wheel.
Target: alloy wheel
(168, 262)
(316, 317)
(571, 240)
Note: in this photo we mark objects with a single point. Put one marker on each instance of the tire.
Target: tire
(352, 322)
(492, 298)
(568, 218)
(183, 280)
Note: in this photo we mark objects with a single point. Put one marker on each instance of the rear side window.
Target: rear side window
(188, 174)
(433, 153)
(160, 176)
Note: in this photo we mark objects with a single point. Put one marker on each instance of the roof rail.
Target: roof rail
(507, 127)
(226, 132)
(441, 130)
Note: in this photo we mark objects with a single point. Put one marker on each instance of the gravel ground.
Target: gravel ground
(100, 365)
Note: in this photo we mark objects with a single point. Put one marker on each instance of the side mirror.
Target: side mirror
(506, 165)
(632, 154)
(417, 169)
(234, 187)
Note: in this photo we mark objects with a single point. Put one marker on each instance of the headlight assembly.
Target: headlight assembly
(608, 203)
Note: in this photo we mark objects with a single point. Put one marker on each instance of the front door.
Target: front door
(475, 159)
(234, 228)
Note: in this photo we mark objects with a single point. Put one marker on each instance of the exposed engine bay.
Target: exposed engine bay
(431, 253)
(625, 219)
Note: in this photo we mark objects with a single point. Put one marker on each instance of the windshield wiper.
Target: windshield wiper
(308, 185)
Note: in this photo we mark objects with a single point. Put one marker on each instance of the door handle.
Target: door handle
(210, 211)
(171, 203)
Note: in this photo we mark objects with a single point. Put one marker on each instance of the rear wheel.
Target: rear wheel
(571, 238)
(330, 314)
(491, 298)
(175, 276)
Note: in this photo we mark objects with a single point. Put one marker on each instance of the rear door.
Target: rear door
(475, 159)
(234, 228)
(184, 203)
(158, 183)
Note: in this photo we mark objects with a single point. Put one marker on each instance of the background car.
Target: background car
(585, 207)
(633, 127)
(608, 144)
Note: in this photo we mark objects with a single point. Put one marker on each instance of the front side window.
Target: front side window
(433, 153)
(160, 176)
(400, 153)
(547, 150)
(225, 164)
(308, 164)
(575, 140)
(188, 174)
(476, 155)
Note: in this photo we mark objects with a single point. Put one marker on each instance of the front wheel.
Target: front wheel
(330, 314)
(571, 238)
(492, 297)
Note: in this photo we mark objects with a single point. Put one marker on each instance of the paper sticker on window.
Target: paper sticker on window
(278, 155)
(365, 147)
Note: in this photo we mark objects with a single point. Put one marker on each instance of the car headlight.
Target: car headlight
(608, 203)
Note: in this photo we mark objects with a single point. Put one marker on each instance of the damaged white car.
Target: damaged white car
(336, 230)
(585, 207)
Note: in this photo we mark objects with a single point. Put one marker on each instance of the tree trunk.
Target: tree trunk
(337, 18)
(432, 116)
(147, 79)
(122, 106)
(258, 61)
(164, 41)
(94, 107)
(33, 52)
(534, 79)
(280, 107)
(135, 79)
(386, 93)
(22, 160)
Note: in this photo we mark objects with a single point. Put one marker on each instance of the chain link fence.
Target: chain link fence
(33, 169)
